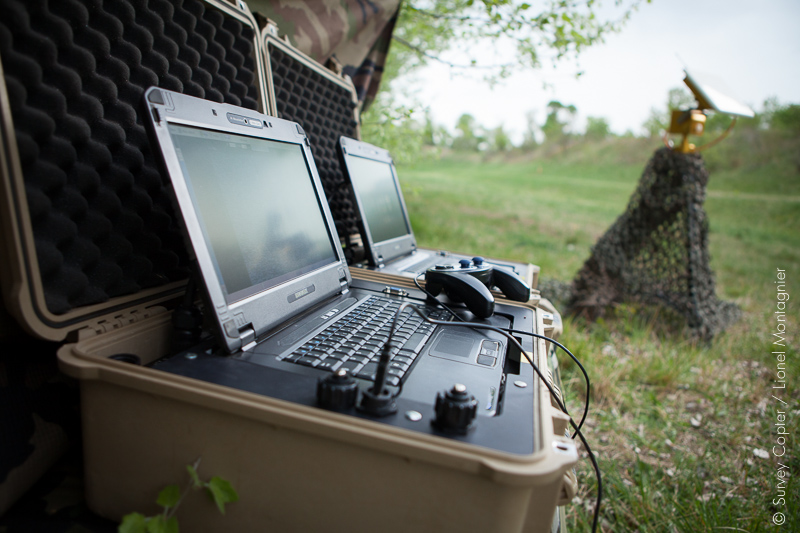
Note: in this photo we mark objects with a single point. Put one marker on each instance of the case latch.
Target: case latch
(119, 320)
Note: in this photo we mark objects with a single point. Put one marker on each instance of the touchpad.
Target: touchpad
(449, 346)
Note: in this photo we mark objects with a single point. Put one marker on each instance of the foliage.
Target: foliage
(783, 117)
(597, 128)
(499, 140)
(469, 136)
(534, 30)
(170, 497)
(426, 29)
(559, 119)
(393, 126)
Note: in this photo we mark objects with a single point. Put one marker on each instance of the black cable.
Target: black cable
(535, 367)
(555, 342)
(577, 362)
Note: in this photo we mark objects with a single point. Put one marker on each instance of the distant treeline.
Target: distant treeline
(407, 137)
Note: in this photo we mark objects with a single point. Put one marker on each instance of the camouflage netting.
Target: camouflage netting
(657, 251)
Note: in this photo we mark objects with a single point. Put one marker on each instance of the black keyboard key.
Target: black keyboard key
(307, 361)
(292, 357)
(402, 359)
(396, 372)
(329, 364)
(406, 354)
(414, 343)
(359, 359)
(351, 366)
(399, 366)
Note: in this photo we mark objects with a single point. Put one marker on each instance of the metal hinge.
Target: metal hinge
(248, 337)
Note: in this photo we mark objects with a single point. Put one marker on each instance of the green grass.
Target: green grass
(674, 424)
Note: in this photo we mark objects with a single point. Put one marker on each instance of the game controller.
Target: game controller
(469, 282)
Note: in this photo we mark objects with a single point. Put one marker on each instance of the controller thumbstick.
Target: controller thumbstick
(455, 410)
(337, 391)
(478, 260)
(465, 263)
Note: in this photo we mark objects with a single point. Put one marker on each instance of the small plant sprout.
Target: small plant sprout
(170, 499)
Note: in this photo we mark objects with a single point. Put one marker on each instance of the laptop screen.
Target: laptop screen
(257, 206)
(379, 198)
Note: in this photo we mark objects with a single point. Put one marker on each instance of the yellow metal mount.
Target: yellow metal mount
(691, 122)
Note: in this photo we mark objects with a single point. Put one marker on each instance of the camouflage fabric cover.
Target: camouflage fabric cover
(657, 251)
(357, 34)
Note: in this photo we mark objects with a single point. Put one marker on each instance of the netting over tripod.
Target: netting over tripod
(657, 250)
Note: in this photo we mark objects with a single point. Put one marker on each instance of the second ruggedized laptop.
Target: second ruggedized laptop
(390, 244)
(279, 292)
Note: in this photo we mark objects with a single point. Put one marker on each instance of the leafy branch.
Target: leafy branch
(170, 499)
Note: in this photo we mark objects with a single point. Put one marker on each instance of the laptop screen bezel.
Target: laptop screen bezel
(262, 309)
(381, 252)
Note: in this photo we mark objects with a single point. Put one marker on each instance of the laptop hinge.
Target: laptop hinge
(248, 337)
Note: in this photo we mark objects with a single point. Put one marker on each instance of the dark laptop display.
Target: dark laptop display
(256, 239)
(279, 291)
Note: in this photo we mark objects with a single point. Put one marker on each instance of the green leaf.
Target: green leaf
(194, 476)
(222, 492)
(172, 525)
(133, 523)
(169, 496)
(157, 524)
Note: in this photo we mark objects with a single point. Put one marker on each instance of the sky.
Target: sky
(751, 51)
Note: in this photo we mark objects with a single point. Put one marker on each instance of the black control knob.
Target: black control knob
(337, 391)
(455, 410)
(465, 263)
(478, 260)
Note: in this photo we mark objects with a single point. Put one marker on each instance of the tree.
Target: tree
(425, 29)
(469, 135)
(559, 117)
(536, 31)
(499, 141)
(529, 141)
(597, 129)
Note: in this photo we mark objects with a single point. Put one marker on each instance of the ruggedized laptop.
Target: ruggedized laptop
(278, 290)
(390, 243)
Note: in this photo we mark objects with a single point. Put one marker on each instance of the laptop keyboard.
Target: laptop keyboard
(355, 342)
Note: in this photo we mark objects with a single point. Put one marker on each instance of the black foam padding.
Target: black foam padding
(326, 111)
(75, 71)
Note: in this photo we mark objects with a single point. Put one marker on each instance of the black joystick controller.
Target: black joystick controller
(461, 286)
(455, 410)
(458, 282)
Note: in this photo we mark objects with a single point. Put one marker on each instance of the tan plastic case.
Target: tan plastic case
(296, 468)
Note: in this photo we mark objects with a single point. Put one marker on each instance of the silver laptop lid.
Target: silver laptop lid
(386, 226)
(254, 212)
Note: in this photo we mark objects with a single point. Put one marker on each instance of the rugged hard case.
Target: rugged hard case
(88, 240)
(94, 255)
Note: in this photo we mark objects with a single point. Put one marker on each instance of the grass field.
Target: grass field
(684, 433)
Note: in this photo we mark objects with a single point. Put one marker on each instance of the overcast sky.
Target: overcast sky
(751, 48)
